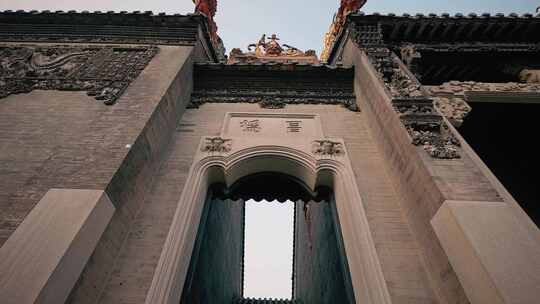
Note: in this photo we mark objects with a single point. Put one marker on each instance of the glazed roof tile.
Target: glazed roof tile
(134, 27)
(471, 15)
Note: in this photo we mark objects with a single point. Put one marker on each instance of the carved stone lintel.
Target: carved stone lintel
(327, 147)
(216, 145)
(103, 71)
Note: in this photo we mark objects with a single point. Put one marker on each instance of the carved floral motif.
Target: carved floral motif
(216, 144)
(327, 147)
(104, 72)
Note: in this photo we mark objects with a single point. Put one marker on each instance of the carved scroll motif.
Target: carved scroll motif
(415, 107)
(216, 145)
(327, 147)
(104, 72)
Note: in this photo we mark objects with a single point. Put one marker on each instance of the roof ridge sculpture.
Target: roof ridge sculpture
(268, 50)
(346, 8)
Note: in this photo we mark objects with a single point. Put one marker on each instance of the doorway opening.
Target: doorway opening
(292, 227)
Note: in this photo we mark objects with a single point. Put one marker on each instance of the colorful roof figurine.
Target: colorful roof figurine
(270, 50)
(347, 7)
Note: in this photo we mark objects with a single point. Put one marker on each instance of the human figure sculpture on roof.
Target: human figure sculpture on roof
(273, 48)
(270, 48)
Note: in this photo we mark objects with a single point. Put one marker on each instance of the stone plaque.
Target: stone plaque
(274, 125)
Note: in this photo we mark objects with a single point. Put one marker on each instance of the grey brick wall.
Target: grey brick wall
(397, 249)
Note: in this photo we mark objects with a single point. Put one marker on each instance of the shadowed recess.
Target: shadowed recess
(270, 186)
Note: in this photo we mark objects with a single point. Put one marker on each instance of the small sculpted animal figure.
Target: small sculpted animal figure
(529, 76)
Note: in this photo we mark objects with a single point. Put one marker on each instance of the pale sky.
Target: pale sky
(300, 23)
(268, 251)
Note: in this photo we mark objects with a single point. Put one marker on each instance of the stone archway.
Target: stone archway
(314, 160)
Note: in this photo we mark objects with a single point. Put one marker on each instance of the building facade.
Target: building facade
(129, 143)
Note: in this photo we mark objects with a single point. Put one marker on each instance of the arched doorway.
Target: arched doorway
(319, 269)
(312, 170)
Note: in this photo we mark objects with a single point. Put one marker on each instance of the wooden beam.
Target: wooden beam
(503, 26)
(488, 29)
(423, 27)
(518, 28)
(453, 70)
(436, 27)
(428, 71)
(409, 29)
(396, 30)
(460, 30)
(474, 29)
(440, 71)
(449, 26)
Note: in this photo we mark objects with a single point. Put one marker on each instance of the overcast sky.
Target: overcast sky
(300, 23)
(268, 250)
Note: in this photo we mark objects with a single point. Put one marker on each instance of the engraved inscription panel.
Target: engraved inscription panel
(272, 125)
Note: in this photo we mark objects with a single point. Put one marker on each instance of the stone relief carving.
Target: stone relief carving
(216, 144)
(403, 86)
(529, 76)
(459, 88)
(327, 147)
(415, 107)
(437, 142)
(453, 108)
(273, 99)
(103, 71)
(451, 97)
(409, 54)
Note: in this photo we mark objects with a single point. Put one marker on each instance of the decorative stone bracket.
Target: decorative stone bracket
(216, 145)
(414, 105)
(325, 147)
(104, 72)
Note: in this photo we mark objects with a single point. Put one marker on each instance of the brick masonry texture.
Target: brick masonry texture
(423, 183)
(399, 254)
(56, 139)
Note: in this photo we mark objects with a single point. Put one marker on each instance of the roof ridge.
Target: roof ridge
(86, 12)
(457, 15)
